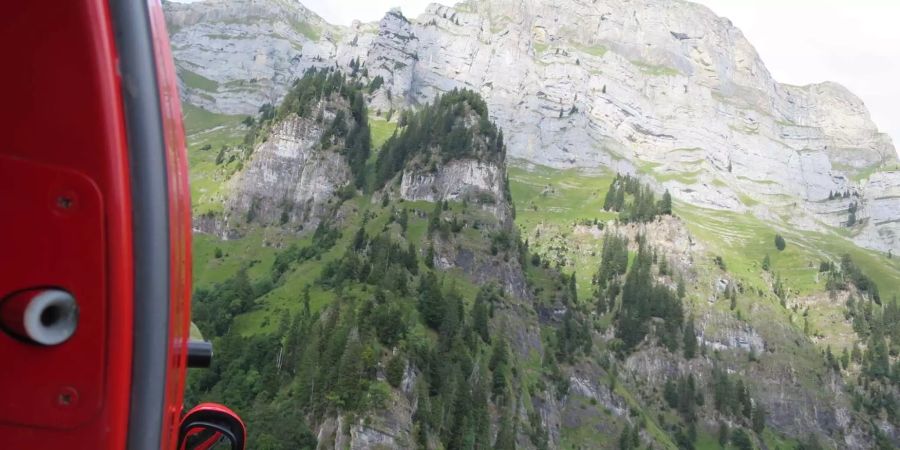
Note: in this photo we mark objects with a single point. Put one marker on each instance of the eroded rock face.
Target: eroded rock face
(881, 207)
(624, 84)
(290, 179)
(453, 181)
(248, 51)
(480, 183)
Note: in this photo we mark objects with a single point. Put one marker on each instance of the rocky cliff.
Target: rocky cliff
(664, 88)
(290, 179)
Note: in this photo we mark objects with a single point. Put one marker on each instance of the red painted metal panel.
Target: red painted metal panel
(60, 386)
(64, 113)
(179, 225)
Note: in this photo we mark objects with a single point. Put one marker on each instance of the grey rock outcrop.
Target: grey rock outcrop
(289, 178)
(665, 86)
(233, 56)
(476, 181)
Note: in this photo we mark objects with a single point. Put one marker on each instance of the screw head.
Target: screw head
(67, 397)
(64, 202)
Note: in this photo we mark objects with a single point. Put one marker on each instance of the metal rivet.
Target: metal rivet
(67, 397)
(64, 202)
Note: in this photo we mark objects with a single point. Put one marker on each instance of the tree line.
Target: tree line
(635, 201)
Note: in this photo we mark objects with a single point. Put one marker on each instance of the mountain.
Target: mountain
(663, 88)
(533, 224)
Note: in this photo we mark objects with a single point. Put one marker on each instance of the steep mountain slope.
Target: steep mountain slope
(373, 360)
(377, 276)
(343, 327)
(238, 55)
(663, 88)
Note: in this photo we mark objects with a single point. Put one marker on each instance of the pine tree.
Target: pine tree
(690, 339)
(431, 302)
(626, 441)
(732, 295)
(743, 399)
(766, 263)
(403, 220)
(723, 433)
(394, 370)
(480, 314)
(506, 436)
(619, 202)
(665, 205)
(759, 418)
(429, 257)
(573, 291)
(305, 300)
(779, 242)
(434, 222)
(350, 375)
(741, 440)
(610, 197)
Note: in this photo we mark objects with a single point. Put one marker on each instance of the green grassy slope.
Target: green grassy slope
(550, 204)
(207, 134)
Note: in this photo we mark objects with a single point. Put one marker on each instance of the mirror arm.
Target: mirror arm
(200, 354)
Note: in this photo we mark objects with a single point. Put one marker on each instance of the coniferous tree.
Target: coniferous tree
(614, 259)
(431, 301)
(627, 438)
(741, 440)
(609, 200)
(350, 375)
(434, 220)
(665, 205)
(643, 299)
(429, 257)
(723, 433)
(480, 315)
(403, 220)
(759, 418)
(732, 296)
(690, 339)
(845, 359)
(506, 436)
(779, 242)
(394, 370)
(499, 368)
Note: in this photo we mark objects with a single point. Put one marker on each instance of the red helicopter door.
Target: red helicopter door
(95, 261)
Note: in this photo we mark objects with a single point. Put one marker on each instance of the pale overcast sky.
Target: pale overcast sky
(853, 42)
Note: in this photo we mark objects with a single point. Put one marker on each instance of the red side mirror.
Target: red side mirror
(211, 426)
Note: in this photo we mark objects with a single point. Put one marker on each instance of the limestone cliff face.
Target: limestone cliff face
(663, 86)
(290, 179)
(452, 181)
(233, 56)
(476, 181)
